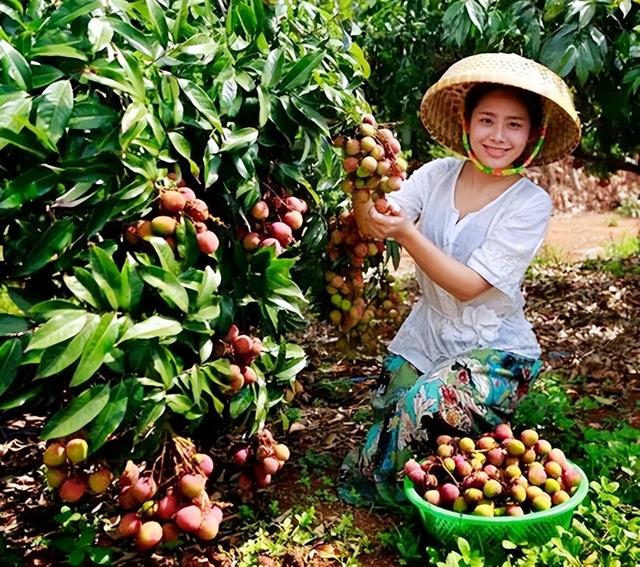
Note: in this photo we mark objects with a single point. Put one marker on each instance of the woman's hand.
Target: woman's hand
(393, 224)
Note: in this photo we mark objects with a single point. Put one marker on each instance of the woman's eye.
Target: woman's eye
(516, 125)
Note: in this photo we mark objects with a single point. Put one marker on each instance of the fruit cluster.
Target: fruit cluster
(360, 307)
(498, 474)
(67, 470)
(241, 350)
(258, 461)
(175, 202)
(274, 219)
(158, 509)
(372, 162)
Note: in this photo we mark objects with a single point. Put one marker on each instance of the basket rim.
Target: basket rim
(428, 508)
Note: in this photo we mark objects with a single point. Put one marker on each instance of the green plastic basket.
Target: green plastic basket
(487, 533)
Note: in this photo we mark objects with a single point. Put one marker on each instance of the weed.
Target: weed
(549, 255)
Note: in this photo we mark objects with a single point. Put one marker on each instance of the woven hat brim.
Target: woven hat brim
(442, 107)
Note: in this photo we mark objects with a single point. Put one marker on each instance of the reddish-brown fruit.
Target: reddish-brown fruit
(293, 219)
(144, 229)
(144, 488)
(256, 346)
(71, 490)
(192, 485)
(243, 344)
(163, 225)
(189, 518)
(251, 241)
(129, 525)
(173, 201)
(295, 204)
(167, 506)
(130, 474)
(197, 210)
(200, 227)
(502, 431)
(240, 454)
(149, 535)
(127, 500)
(249, 375)
(209, 527)
(232, 333)
(204, 463)
(272, 242)
(100, 480)
(54, 455)
(77, 450)
(131, 234)
(207, 242)
(382, 206)
(170, 532)
(270, 465)
(281, 232)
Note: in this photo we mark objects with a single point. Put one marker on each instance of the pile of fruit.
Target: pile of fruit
(498, 474)
(257, 461)
(67, 469)
(168, 499)
(273, 221)
(175, 203)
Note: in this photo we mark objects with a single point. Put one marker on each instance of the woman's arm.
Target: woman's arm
(451, 275)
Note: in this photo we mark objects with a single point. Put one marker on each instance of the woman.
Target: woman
(465, 354)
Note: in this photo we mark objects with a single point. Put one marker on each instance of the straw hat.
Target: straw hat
(442, 108)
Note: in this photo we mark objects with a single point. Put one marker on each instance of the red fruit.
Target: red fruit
(77, 450)
(209, 527)
(293, 219)
(72, 490)
(54, 455)
(251, 241)
(197, 210)
(167, 506)
(350, 164)
(204, 463)
(144, 488)
(558, 456)
(173, 201)
(130, 474)
(503, 431)
(207, 242)
(192, 485)
(281, 232)
(129, 525)
(149, 535)
(188, 193)
(260, 210)
(243, 344)
(270, 465)
(170, 533)
(295, 204)
(200, 227)
(189, 518)
(100, 480)
(369, 119)
(249, 375)
(272, 242)
(448, 493)
(263, 480)
(571, 477)
(144, 229)
(127, 500)
(240, 455)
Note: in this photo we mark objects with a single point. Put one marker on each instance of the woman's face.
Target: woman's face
(499, 129)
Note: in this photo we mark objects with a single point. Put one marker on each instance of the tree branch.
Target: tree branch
(612, 163)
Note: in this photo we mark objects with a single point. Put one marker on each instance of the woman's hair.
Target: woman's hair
(531, 101)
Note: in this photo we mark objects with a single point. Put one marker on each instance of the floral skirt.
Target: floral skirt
(469, 394)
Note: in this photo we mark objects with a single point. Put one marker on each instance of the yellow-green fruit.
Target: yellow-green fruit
(100, 480)
(54, 455)
(541, 502)
(77, 450)
(55, 477)
(483, 510)
(163, 225)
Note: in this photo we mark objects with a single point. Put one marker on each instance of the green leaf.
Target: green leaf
(43, 75)
(54, 109)
(107, 275)
(97, 348)
(10, 357)
(201, 101)
(81, 411)
(361, 58)
(132, 285)
(12, 325)
(57, 237)
(24, 141)
(57, 329)
(15, 65)
(89, 114)
(84, 287)
(110, 418)
(240, 402)
(273, 68)
(187, 244)
(159, 21)
(154, 326)
(239, 138)
(183, 147)
(136, 38)
(58, 357)
(208, 286)
(100, 33)
(58, 50)
(71, 10)
(227, 95)
(301, 71)
(132, 70)
(264, 100)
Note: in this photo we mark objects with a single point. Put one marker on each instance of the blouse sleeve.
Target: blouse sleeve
(414, 192)
(512, 243)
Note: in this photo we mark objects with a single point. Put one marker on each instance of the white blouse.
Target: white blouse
(498, 241)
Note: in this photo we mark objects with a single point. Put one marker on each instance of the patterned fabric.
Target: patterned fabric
(469, 394)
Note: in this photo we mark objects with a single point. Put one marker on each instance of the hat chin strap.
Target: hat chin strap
(498, 171)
